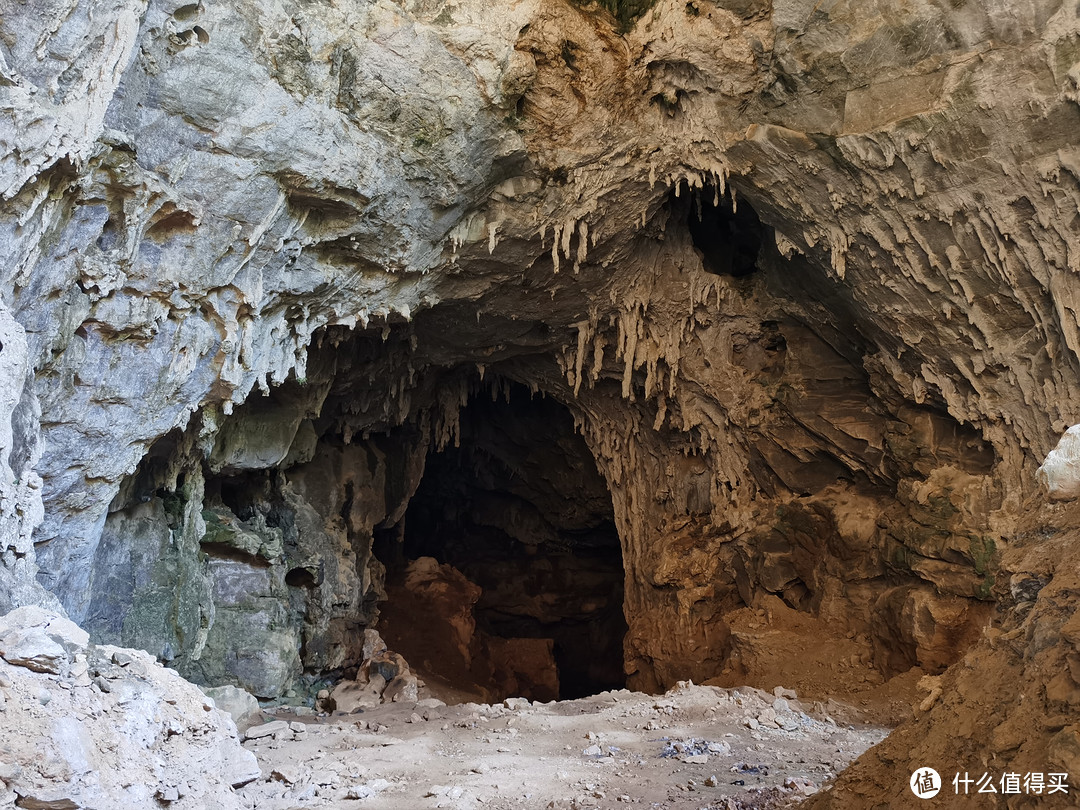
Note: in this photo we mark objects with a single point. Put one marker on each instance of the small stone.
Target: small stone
(712, 781)
(767, 717)
(367, 790)
(124, 658)
(266, 730)
(593, 751)
(696, 759)
(288, 773)
(168, 794)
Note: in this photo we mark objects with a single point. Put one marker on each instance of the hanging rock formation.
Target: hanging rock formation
(804, 275)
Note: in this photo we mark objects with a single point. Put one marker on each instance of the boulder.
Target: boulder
(40, 640)
(241, 706)
(349, 696)
(1059, 474)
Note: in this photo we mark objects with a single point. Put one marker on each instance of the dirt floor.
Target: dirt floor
(799, 706)
(695, 747)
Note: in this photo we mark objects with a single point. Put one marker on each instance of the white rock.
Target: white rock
(241, 766)
(240, 705)
(368, 789)
(266, 730)
(33, 649)
(39, 639)
(148, 738)
(1059, 474)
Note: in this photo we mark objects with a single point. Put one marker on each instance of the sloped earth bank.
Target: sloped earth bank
(1012, 704)
(89, 727)
(694, 747)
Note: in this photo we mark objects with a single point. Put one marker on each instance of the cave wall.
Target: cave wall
(274, 232)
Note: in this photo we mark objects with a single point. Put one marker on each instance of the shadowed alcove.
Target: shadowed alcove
(519, 509)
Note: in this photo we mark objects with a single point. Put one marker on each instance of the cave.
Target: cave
(553, 351)
(518, 507)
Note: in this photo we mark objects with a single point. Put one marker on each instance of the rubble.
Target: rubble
(87, 725)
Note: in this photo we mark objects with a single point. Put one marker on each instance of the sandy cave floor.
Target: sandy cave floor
(694, 747)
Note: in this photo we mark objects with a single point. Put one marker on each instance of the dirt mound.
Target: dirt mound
(1011, 707)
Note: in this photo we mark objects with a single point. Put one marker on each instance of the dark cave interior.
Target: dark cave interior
(519, 508)
(727, 231)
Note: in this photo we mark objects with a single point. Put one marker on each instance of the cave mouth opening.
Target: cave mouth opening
(506, 575)
(727, 232)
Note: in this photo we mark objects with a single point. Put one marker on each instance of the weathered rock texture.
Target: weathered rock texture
(804, 274)
(88, 726)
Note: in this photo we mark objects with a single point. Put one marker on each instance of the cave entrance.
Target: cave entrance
(506, 573)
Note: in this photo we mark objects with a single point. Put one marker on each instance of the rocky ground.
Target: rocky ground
(694, 747)
(94, 727)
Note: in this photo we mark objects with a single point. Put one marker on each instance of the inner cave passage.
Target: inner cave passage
(512, 530)
(728, 233)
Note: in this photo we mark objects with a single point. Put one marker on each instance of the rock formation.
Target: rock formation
(801, 275)
(98, 726)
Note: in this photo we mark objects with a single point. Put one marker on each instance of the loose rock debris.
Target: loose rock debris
(690, 749)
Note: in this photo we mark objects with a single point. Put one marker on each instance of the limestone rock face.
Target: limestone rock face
(803, 277)
(99, 726)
